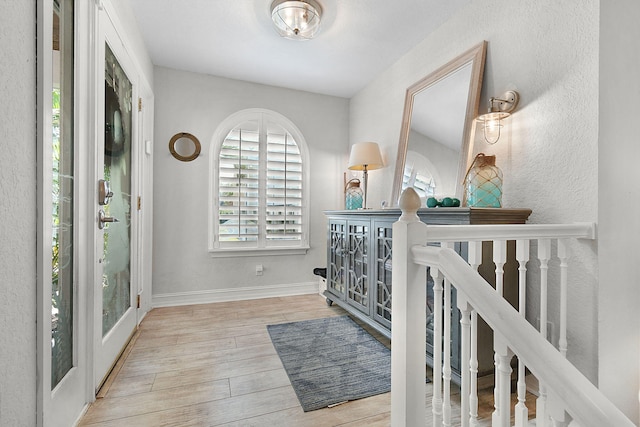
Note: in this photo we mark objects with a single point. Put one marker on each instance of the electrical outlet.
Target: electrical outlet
(259, 270)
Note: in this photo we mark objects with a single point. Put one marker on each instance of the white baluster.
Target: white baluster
(465, 355)
(522, 256)
(446, 363)
(563, 254)
(495, 417)
(475, 259)
(408, 347)
(555, 407)
(436, 402)
(502, 414)
(500, 258)
(544, 253)
(473, 369)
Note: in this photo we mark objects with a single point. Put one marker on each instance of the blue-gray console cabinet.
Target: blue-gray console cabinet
(359, 270)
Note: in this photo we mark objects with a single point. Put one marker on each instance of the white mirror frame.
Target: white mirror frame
(474, 56)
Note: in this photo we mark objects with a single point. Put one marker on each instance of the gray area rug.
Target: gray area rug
(331, 360)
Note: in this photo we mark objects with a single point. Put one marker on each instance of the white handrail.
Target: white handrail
(583, 401)
(471, 233)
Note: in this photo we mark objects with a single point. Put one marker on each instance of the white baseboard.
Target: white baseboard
(233, 294)
(322, 286)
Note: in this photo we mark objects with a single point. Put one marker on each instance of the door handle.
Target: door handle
(102, 219)
(104, 192)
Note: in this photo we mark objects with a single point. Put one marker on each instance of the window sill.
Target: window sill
(248, 252)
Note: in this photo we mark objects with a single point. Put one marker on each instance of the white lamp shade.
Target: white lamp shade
(365, 154)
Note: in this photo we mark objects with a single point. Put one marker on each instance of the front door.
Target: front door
(116, 278)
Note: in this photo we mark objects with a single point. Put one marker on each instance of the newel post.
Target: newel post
(408, 322)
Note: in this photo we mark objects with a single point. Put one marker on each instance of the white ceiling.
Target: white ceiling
(235, 39)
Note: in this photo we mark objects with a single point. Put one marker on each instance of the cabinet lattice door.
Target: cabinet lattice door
(337, 260)
(383, 241)
(358, 262)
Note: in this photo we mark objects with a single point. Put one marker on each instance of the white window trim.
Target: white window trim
(215, 249)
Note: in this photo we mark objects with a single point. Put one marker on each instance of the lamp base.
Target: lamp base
(365, 180)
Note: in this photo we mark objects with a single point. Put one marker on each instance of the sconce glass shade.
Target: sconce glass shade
(296, 20)
(499, 109)
(492, 125)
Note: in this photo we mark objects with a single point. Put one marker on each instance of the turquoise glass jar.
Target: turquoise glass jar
(353, 195)
(483, 184)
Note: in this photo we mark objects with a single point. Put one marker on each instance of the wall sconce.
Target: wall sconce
(365, 156)
(499, 109)
(296, 20)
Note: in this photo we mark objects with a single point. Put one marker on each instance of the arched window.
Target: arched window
(420, 174)
(259, 192)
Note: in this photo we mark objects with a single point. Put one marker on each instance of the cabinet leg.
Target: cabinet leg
(329, 302)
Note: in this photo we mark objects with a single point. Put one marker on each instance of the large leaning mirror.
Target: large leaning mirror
(437, 127)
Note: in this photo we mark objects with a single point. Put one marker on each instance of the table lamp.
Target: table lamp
(365, 156)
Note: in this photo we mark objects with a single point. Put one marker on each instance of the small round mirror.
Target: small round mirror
(184, 147)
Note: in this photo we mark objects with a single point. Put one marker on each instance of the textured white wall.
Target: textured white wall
(619, 204)
(548, 51)
(18, 214)
(197, 103)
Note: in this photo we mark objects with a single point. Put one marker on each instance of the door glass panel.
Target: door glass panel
(116, 284)
(62, 289)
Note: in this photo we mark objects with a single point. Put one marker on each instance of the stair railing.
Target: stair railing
(565, 393)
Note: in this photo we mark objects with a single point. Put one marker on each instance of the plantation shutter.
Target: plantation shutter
(260, 187)
(239, 179)
(421, 182)
(284, 186)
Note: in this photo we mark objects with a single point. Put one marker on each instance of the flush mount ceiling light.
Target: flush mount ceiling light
(296, 20)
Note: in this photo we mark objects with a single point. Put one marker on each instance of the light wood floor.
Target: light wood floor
(214, 365)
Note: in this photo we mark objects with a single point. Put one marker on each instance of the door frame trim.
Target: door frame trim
(86, 21)
(47, 412)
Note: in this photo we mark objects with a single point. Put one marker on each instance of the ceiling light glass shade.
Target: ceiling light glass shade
(296, 20)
